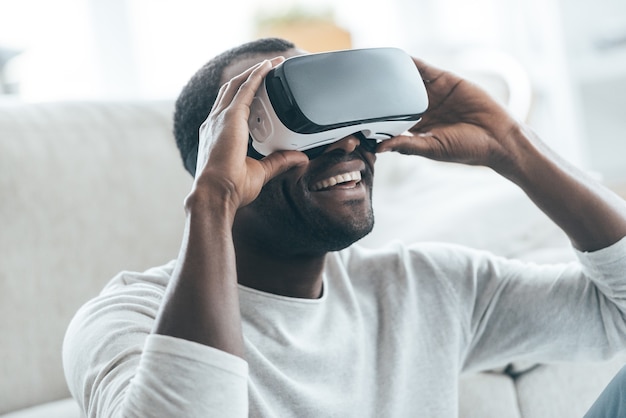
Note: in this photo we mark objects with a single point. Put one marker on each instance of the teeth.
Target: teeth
(338, 179)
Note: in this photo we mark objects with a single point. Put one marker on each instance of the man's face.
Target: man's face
(325, 205)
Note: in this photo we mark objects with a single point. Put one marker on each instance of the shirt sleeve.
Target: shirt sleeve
(115, 367)
(516, 311)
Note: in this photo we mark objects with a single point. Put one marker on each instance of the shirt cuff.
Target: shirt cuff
(180, 378)
(607, 267)
(178, 347)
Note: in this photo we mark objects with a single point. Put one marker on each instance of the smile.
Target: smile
(346, 180)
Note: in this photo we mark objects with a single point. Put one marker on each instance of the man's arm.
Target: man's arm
(591, 215)
(121, 359)
(201, 303)
(464, 124)
(523, 311)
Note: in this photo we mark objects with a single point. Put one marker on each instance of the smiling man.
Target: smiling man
(271, 311)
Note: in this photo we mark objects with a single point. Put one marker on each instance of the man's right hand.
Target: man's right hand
(223, 169)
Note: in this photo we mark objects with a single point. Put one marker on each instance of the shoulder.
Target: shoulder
(129, 301)
(155, 278)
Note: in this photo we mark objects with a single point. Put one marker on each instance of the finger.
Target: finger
(220, 96)
(240, 78)
(423, 144)
(439, 83)
(229, 89)
(236, 82)
(246, 91)
(428, 72)
(276, 60)
(280, 161)
(253, 80)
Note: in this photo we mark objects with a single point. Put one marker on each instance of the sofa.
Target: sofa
(88, 189)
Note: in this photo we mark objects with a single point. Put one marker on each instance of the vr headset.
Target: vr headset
(310, 101)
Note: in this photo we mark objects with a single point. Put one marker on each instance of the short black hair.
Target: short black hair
(197, 97)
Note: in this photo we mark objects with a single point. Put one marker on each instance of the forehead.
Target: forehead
(240, 65)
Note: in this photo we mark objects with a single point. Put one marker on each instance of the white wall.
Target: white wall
(596, 51)
(147, 49)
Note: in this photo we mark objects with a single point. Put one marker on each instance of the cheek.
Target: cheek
(278, 198)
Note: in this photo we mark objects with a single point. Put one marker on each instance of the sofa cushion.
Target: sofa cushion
(65, 408)
(86, 190)
(564, 390)
(487, 395)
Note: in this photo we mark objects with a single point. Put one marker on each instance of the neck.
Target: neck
(298, 276)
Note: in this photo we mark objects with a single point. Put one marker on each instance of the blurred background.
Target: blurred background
(559, 64)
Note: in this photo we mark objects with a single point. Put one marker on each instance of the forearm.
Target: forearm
(591, 215)
(201, 303)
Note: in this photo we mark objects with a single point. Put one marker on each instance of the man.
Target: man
(270, 311)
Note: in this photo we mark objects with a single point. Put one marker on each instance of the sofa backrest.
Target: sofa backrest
(87, 189)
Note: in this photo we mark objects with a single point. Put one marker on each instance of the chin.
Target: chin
(341, 235)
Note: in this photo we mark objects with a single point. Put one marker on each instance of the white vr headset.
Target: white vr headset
(309, 101)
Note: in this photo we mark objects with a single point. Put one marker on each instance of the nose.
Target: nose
(347, 144)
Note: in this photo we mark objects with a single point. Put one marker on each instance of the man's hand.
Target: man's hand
(223, 169)
(462, 124)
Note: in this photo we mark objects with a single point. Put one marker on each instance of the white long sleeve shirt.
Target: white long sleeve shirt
(389, 337)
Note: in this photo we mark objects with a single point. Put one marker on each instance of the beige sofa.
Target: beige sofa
(89, 189)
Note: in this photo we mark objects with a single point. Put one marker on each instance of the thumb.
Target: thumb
(280, 161)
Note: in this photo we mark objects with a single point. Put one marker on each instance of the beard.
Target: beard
(318, 231)
(284, 222)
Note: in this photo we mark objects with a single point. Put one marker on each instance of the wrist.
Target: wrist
(215, 198)
(520, 152)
